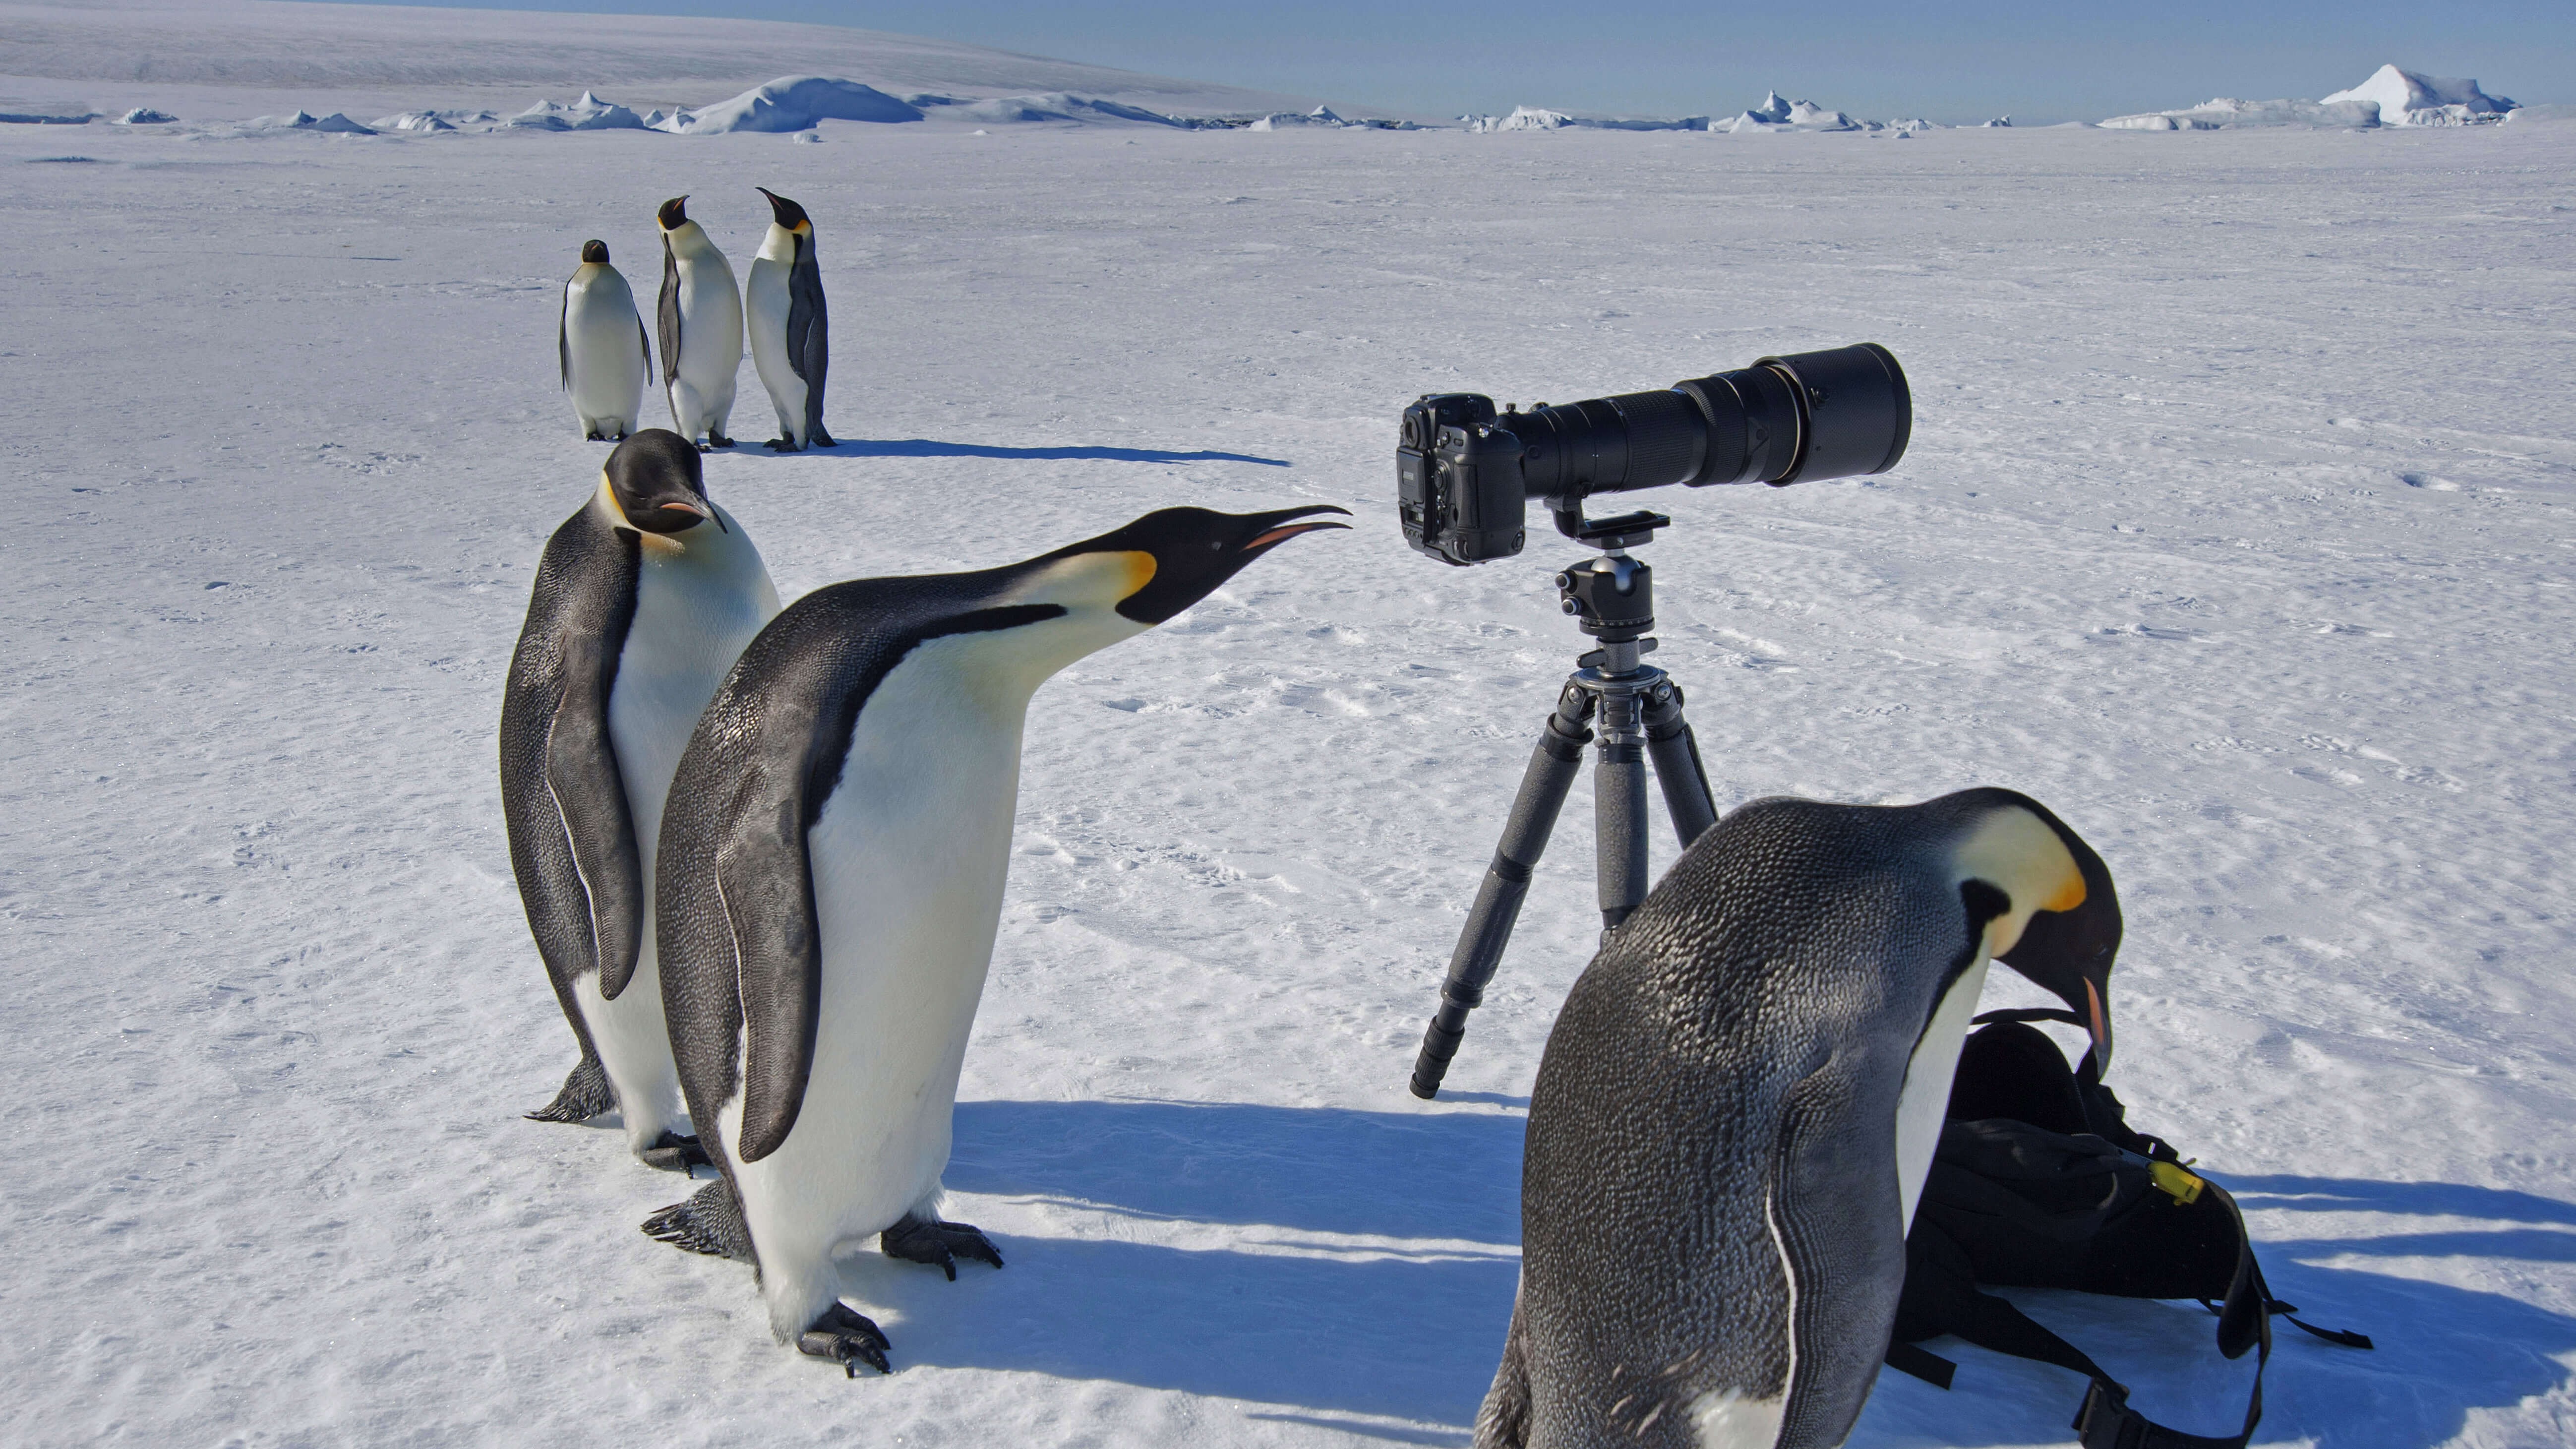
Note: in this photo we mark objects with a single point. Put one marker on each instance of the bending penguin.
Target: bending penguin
(831, 881)
(600, 341)
(643, 601)
(701, 325)
(784, 305)
(1738, 1106)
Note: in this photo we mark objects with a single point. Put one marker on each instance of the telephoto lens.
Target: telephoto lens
(1831, 414)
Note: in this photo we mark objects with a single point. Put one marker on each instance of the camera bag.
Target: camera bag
(2039, 1182)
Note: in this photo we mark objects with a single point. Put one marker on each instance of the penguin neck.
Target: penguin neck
(779, 245)
(689, 242)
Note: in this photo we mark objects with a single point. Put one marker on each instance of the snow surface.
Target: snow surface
(2236, 527)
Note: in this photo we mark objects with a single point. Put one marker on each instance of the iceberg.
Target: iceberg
(2406, 98)
(791, 103)
(590, 113)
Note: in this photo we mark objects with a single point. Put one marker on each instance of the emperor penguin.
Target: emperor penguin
(784, 305)
(1737, 1108)
(701, 316)
(831, 882)
(644, 599)
(600, 341)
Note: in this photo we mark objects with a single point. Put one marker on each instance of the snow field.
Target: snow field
(2235, 528)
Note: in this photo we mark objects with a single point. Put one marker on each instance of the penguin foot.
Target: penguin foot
(718, 440)
(709, 1222)
(672, 1152)
(593, 436)
(782, 445)
(938, 1244)
(847, 1338)
(585, 1095)
(821, 439)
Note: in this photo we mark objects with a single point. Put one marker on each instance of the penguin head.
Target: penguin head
(787, 214)
(673, 215)
(2045, 903)
(594, 253)
(658, 484)
(1173, 557)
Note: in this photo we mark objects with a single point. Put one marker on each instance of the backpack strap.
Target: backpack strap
(2105, 1420)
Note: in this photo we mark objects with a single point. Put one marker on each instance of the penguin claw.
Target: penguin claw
(672, 1152)
(848, 1339)
(718, 440)
(782, 445)
(938, 1244)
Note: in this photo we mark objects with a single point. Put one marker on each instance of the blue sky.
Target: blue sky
(1949, 62)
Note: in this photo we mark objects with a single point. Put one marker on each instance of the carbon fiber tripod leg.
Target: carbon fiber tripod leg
(1675, 751)
(1551, 772)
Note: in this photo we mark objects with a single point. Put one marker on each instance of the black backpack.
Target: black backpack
(2039, 1182)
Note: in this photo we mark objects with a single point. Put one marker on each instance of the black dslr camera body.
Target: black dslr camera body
(1465, 473)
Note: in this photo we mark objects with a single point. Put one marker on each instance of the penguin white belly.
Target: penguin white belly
(765, 303)
(908, 859)
(710, 346)
(696, 606)
(605, 342)
(1921, 1105)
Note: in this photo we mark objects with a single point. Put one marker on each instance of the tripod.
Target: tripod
(1638, 710)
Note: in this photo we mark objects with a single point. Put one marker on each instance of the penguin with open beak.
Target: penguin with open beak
(830, 885)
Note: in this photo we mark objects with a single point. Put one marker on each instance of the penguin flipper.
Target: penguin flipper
(764, 879)
(710, 1222)
(668, 313)
(578, 617)
(586, 1093)
(939, 1244)
(808, 338)
(563, 338)
(590, 797)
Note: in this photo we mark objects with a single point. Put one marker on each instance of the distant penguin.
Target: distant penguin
(701, 316)
(644, 599)
(600, 341)
(831, 881)
(784, 305)
(1738, 1105)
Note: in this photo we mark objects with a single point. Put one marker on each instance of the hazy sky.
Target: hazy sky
(1950, 62)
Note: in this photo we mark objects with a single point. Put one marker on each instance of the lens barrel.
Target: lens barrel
(1832, 414)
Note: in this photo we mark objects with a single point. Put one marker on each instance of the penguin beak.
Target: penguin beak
(1280, 530)
(681, 505)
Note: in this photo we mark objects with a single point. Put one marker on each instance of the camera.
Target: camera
(1465, 473)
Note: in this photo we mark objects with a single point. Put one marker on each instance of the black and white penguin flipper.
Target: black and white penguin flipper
(785, 317)
(831, 876)
(642, 601)
(1737, 1108)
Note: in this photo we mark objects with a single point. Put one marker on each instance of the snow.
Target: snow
(590, 113)
(2236, 527)
(145, 116)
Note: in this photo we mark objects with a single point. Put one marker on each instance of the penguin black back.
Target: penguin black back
(1713, 1236)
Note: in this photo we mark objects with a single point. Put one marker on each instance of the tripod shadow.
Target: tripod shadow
(1407, 1325)
(927, 448)
(2444, 1350)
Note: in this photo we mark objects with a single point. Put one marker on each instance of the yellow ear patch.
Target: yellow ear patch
(654, 543)
(2015, 851)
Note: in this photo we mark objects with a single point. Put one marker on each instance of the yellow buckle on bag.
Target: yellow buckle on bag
(2183, 1187)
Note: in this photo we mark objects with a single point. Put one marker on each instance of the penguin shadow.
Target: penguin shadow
(928, 448)
(1381, 1289)
(2444, 1351)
